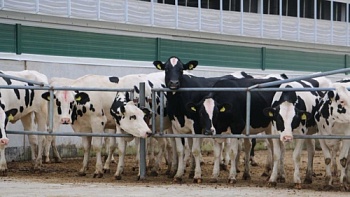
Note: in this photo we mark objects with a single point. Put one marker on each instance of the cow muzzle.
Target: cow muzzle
(4, 141)
(174, 84)
(65, 121)
(209, 132)
(287, 138)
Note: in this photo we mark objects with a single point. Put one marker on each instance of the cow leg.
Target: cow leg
(158, 158)
(268, 163)
(224, 156)
(187, 152)
(56, 154)
(328, 159)
(50, 142)
(217, 158)
(27, 123)
(343, 164)
(172, 168)
(335, 150)
(180, 159)
(296, 160)
(281, 172)
(3, 165)
(112, 145)
(247, 148)
(87, 146)
(41, 119)
(121, 152)
(310, 144)
(233, 148)
(97, 147)
(276, 160)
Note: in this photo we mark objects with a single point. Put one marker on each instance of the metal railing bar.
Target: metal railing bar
(23, 80)
(67, 88)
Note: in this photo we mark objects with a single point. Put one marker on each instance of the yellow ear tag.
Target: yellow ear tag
(190, 67)
(48, 98)
(10, 117)
(223, 109)
(159, 67)
(270, 114)
(303, 117)
(78, 98)
(193, 109)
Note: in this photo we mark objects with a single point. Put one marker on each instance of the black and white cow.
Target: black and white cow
(23, 104)
(333, 118)
(225, 113)
(292, 113)
(183, 121)
(89, 111)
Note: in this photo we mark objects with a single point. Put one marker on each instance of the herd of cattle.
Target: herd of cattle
(212, 113)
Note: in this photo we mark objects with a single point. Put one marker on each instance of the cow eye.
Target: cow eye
(133, 117)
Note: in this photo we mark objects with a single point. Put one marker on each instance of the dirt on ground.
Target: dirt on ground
(66, 172)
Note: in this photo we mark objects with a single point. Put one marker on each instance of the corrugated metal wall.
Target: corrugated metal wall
(37, 40)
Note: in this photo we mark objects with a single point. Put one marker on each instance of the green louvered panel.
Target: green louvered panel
(7, 38)
(303, 61)
(212, 54)
(83, 44)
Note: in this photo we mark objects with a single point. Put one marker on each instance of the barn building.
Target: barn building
(71, 38)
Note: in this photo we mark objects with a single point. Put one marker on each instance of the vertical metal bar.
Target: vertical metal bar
(199, 15)
(161, 114)
(221, 17)
(315, 21)
(69, 9)
(242, 18)
(298, 16)
(262, 18)
(37, 3)
(158, 49)
(50, 129)
(347, 25)
(176, 14)
(142, 140)
(18, 28)
(154, 111)
(331, 21)
(247, 126)
(126, 11)
(280, 19)
(263, 58)
(98, 9)
(152, 13)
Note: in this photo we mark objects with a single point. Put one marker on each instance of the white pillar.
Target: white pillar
(242, 18)
(176, 14)
(315, 21)
(199, 16)
(298, 16)
(347, 25)
(69, 9)
(98, 9)
(126, 11)
(152, 13)
(332, 4)
(280, 19)
(221, 18)
(37, 5)
(261, 18)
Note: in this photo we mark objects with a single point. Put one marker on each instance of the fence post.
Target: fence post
(142, 140)
(18, 39)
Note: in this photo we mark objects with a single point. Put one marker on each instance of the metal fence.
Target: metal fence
(198, 19)
(258, 87)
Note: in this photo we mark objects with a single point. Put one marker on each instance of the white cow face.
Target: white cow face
(339, 101)
(5, 117)
(131, 119)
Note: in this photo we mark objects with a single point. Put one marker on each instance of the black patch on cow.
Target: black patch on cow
(26, 97)
(136, 89)
(103, 113)
(17, 94)
(114, 79)
(7, 80)
(102, 123)
(150, 84)
(133, 117)
(117, 103)
(341, 109)
(21, 108)
(79, 112)
(84, 109)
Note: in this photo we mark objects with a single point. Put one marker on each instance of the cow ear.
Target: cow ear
(46, 96)
(190, 65)
(146, 111)
(330, 95)
(304, 115)
(269, 112)
(82, 98)
(11, 113)
(122, 109)
(159, 65)
(225, 107)
(191, 107)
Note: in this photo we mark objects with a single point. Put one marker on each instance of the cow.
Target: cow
(183, 121)
(333, 118)
(25, 105)
(89, 112)
(225, 113)
(292, 113)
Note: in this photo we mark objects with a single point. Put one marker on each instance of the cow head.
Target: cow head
(5, 117)
(65, 104)
(285, 118)
(130, 118)
(174, 71)
(208, 111)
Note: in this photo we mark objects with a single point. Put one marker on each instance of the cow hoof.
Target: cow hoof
(265, 174)
(238, 171)
(202, 163)
(307, 180)
(328, 187)
(232, 181)
(223, 167)
(118, 177)
(107, 171)
(3, 172)
(297, 186)
(197, 180)
(58, 160)
(98, 175)
(81, 174)
(344, 187)
(171, 175)
(213, 180)
(246, 176)
(281, 179)
(154, 173)
(272, 184)
(191, 175)
(167, 172)
(177, 180)
(253, 163)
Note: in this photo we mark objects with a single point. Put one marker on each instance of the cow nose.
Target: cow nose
(4, 141)
(65, 121)
(174, 84)
(209, 132)
(287, 138)
(149, 134)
